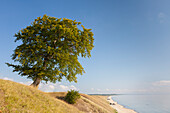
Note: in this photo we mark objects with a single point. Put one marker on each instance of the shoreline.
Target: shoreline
(119, 108)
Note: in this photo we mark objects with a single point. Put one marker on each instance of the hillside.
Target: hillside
(15, 97)
(88, 103)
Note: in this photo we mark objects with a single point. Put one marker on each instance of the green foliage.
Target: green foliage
(72, 96)
(50, 48)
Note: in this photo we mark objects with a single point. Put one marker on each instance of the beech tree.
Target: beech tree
(50, 48)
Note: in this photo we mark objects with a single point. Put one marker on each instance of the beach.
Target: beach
(119, 108)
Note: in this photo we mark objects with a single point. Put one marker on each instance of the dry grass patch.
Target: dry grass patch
(88, 103)
(2, 100)
(99, 100)
(19, 98)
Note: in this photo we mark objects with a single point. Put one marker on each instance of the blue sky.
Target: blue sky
(132, 42)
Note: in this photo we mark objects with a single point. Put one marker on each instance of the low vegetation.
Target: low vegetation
(19, 98)
(72, 96)
(88, 103)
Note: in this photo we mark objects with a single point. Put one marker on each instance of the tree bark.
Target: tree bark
(38, 80)
(36, 83)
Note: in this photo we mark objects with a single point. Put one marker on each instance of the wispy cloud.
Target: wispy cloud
(65, 88)
(51, 87)
(162, 17)
(161, 83)
(6, 78)
(157, 87)
(118, 91)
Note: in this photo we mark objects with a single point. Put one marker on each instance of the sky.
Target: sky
(132, 43)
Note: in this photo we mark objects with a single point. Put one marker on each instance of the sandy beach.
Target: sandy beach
(119, 108)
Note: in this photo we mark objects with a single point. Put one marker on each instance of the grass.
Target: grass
(88, 103)
(100, 101)
(19, 98)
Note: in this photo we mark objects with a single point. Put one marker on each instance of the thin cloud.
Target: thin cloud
(64, 87)
(51, 87)
(6, 78)
(118, 91)
(72, 87)
(162, 83)
(162, 17)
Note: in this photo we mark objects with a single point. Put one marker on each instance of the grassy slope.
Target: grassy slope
(15, 97)
(88, 103)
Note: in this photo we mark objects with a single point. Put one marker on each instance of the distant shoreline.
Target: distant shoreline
(118, 107)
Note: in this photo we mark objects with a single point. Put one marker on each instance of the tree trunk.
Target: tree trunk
(36, 82)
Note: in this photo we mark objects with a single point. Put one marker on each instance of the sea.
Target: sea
(145, 103)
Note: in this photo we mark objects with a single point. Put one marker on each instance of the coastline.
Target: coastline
(119, 108)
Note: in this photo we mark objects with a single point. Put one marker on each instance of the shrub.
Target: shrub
(72, 96)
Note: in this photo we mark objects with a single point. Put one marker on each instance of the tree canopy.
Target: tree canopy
(50, 48)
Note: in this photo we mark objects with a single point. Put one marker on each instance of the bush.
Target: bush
(72, 96)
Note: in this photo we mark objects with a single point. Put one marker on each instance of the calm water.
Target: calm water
(145, 103)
